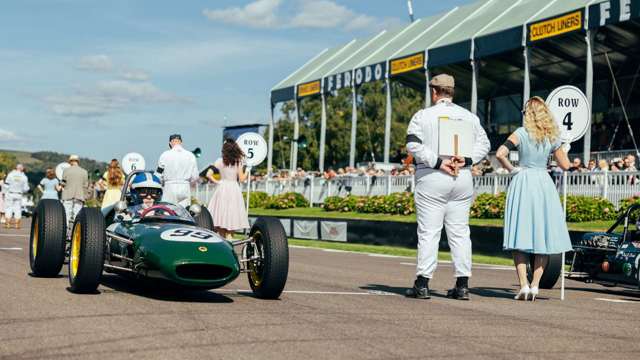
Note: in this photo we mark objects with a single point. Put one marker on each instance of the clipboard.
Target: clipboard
(455, 137)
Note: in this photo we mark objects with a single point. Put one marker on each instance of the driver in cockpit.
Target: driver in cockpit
(146, 189)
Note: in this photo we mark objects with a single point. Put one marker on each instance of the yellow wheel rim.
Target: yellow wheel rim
(34, 241)
(74, 259)
(255, 274)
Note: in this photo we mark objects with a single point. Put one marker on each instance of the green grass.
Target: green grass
(396, 251)
(320, 213)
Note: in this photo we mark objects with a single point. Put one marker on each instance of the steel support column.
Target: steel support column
(387, 121)
(474, 86)
(270, 153)
(427, 92)
(589, 93)
(323, 131)
(354, 126)
(296, 134)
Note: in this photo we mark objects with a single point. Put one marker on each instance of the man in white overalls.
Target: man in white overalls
(179, 170)
(444, 189)
(16, 185)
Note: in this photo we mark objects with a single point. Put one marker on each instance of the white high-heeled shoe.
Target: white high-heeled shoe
(523, 294)
(534, 292)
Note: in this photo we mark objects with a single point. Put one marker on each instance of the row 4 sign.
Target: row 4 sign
(571, 110)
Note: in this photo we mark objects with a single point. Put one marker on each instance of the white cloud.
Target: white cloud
(258, 14)
(97, 63)
(6, 135)
(328, 14)
(135, 75)
(324, 14)
(109, 96)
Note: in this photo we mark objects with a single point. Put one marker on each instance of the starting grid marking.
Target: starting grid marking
(11, 248)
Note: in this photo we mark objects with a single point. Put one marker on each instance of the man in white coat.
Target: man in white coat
(178, 170)
(16, 185)
(444, 189)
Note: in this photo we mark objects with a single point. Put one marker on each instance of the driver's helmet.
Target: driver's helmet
(143, 185)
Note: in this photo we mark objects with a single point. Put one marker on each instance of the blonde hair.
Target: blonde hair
(539, 122)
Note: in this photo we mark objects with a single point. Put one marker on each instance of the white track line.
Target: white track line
(313, 292)
(14, 235)
(616, 300)
(11, 248)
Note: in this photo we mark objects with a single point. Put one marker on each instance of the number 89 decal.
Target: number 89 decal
(190, 235)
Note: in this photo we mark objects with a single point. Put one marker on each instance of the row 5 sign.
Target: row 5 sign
(571, 110)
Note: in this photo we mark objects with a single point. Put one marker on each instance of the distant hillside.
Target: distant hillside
(37, 163)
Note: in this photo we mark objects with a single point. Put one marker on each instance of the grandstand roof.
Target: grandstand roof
(480, 29)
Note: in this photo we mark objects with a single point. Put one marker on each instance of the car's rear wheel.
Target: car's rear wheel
(86, 258)
(204, 219)
(551, 272)
(268, 274)
(47, 239)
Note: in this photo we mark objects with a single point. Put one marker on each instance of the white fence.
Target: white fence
(614, 186)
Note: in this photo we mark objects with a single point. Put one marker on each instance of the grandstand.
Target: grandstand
(501, 52)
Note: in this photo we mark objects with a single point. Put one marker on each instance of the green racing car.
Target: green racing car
(159, 240)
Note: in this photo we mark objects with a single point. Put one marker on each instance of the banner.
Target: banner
(613, 11)
(365, 74)
(310, 88)
(333, 231)
(305, 229)
(555, 26)
(407, 64)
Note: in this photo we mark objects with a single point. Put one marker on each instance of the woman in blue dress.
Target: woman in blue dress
(49, 185)
(534, 222)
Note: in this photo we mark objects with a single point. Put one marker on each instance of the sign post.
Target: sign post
(131, 162)
(570, 109)
(255, 150)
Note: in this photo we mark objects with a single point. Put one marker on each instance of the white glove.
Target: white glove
(566, 147)
(516, 170)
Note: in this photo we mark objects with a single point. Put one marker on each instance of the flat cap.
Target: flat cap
(175, 136)
(74, 158)
(443, 80)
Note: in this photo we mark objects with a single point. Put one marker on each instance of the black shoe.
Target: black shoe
(459, 293)
(420, 289)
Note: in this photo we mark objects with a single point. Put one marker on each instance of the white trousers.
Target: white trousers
(443, 199)
(177, 193)
(13, 206)
(72, 208)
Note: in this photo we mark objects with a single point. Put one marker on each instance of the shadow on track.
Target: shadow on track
(159, 290)
(489, 292)
(627, 294)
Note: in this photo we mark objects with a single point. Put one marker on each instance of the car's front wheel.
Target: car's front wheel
(86, 258)
(268, 273)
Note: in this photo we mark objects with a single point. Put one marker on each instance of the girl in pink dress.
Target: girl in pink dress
(227, 205)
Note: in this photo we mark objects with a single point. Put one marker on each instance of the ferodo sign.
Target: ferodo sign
(358, 77)
(556, 26)
(571, 110)
(613, 11)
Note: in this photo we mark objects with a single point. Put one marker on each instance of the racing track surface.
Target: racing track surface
(337, 305)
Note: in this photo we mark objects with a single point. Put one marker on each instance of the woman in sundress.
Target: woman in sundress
(227, 206)
(114, 178)
(534, 222)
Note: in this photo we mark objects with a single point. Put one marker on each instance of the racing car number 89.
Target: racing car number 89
(188, 235)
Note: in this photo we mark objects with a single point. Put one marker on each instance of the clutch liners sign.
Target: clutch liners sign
(555, 26)
(407, 64)
(310, 88)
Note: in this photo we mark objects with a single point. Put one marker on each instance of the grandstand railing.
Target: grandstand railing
(614, 186)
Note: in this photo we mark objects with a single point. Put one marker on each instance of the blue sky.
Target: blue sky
(103, 78)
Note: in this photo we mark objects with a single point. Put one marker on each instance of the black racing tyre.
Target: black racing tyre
(86, 256)
(268, 276)
(47, 239)
(204, 219)
(551, 272)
